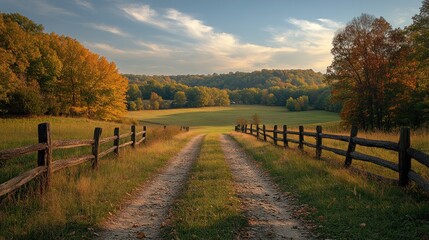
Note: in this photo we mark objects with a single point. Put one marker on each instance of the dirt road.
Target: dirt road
(143, 216)
(266, 207)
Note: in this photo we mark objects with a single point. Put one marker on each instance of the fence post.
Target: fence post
(96, 147)
(251, 129)
(404, 162)
(245, 128)
(133, 135)
(352, 146)
(242, 128)
(265, 134)
(117, 140)
(318, 142)
(285, 142)
(44, 157)
(301, 138)
(257, 131)
(144, 134)
(275, 134)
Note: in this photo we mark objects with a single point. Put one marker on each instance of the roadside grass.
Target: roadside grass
(79, 198)
(419, 141)
(341, 204)
(209, 207)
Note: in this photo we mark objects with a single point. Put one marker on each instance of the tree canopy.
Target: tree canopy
(46, 73)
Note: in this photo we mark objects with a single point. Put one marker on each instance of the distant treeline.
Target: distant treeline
(265, 87)
(44, 73)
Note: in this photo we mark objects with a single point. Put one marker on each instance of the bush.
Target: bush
(25, 101)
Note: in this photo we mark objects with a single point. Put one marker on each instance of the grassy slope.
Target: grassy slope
(208, 208)
(224, 118)
(79, 197)
(343, 205)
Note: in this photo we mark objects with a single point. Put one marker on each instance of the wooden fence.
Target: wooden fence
(403, 147)
(45, 164)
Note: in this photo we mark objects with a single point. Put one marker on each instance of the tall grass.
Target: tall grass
(419, 141)
(339, 204)
(80, 198)
(209, 207)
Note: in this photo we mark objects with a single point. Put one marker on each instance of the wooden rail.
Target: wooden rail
(405, 153)
(46, 165)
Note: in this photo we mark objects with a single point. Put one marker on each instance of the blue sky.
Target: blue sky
(203, 37)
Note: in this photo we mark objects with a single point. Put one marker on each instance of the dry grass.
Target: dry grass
(80, 198)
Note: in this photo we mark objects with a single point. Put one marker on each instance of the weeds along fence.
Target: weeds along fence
(45, 164)
(403, 147)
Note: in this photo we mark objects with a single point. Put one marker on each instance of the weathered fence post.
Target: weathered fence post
(245, 128)
(301, 138)
(275, 134)
(285, 142)
(44, 157)
(133, 135)
(96, 147)
(257, 131)
(404, 162)
(352, 146)
(251, 129)
(242, 128)
(265, 133)
(144, 134)
(116, 141)
(318, 142)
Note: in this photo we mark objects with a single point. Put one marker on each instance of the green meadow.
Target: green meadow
(222, 119)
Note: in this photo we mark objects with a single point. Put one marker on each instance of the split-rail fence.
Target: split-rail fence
(45, 146)
(403, 147)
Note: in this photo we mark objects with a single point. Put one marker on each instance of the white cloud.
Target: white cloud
(84, 3)
(110, 29)
(106, 48)
(306, 45)
(143, 13)
(307, 36)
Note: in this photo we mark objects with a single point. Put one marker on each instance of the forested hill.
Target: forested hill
(263, 79)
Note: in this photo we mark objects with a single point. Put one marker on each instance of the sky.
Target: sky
(167, 37)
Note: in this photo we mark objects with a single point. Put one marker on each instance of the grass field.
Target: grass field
(338, 201)
(223, 119)
(79, 198)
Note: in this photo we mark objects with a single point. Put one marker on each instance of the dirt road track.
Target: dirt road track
(266, 207)
(144, 215)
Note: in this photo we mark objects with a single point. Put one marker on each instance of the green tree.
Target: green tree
(180, 98)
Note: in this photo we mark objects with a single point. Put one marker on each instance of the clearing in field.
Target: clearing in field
(224, 118)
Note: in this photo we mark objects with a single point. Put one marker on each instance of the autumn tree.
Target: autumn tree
(155, 101)
(365, 74)
(419, 34)
(179, 99)
(61, 72)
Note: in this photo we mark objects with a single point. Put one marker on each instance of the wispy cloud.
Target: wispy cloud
(106, 48)
(144, 13)
(110, 29)
(305, 44)
(84, 3)
(45, 8)
(224, 50)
